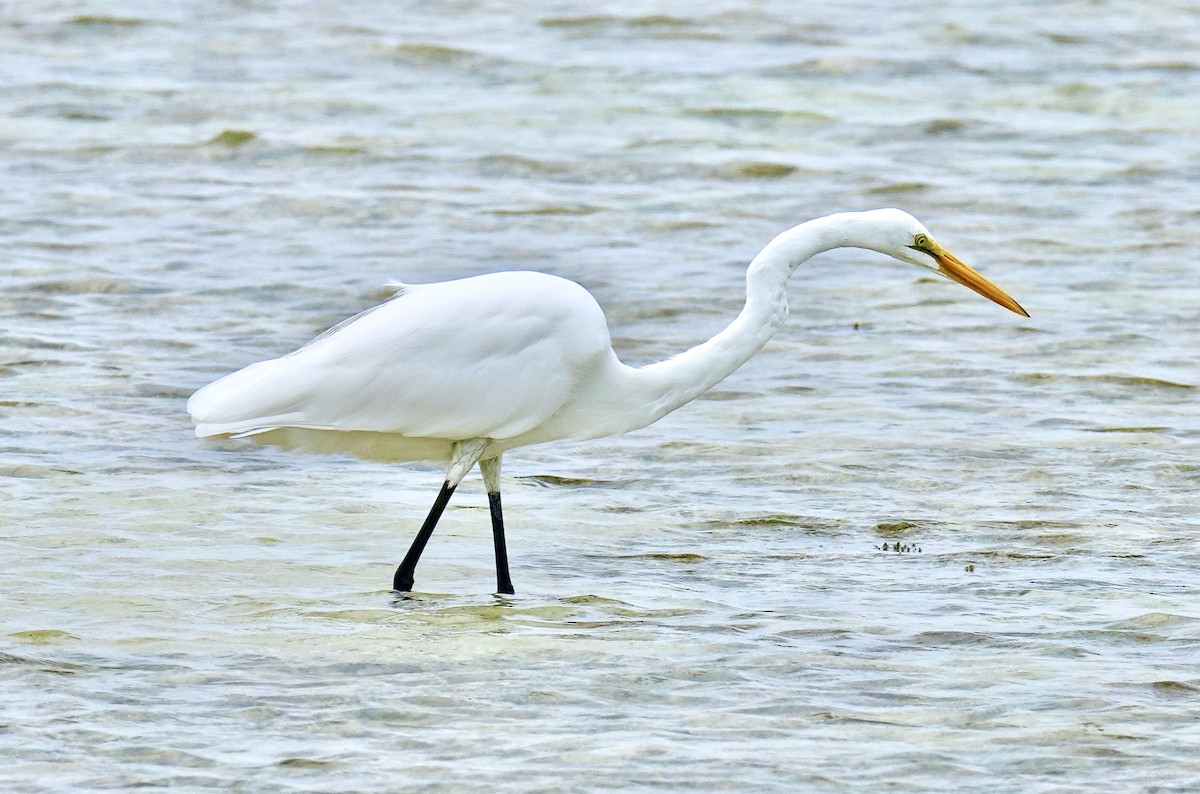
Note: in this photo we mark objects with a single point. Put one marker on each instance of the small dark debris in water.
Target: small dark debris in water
(900, 548)
(856, 326)
(969, 567)
(232, 138)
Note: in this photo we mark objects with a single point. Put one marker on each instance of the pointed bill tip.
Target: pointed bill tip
(955, 269)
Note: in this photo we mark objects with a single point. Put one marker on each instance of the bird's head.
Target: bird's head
(896, 233)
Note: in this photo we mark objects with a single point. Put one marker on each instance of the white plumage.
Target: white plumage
(462, 371)
(492, 356)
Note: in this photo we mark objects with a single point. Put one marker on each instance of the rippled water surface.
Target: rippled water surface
(917, 543)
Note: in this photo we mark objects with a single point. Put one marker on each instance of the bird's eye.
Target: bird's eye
(920, 241)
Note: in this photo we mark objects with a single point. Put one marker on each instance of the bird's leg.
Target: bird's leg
(491, 479)
(463, 456)
(404, 574)
(503, 580)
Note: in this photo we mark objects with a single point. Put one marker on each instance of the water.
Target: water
(712, 603)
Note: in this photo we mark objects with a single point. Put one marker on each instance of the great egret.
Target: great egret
(463, 371)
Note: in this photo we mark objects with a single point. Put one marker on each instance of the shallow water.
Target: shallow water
(713, 603)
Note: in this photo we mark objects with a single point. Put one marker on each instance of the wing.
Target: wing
(485, 357)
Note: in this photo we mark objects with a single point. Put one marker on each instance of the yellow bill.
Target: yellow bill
(952, 267)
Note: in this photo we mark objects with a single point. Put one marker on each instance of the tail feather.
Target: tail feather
(247, 402)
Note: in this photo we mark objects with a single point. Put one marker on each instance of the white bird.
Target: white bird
(463, 371)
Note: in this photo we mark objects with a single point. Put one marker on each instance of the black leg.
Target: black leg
(503, 581)
(404, 574)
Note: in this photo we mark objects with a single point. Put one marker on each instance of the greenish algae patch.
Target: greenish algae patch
(755, 170)
(768, 520)
(101, 19)
(306, 763)
(890, 528)
(1175, 689)
(553, 481)
(899, 187)
(945, 126)
(43, 636)
(760, 114)
(232, 138)
(1154, 429)
(645, 21)
(336, 150)
(582, 209)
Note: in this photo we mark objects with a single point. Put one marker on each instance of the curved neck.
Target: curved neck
(657, 389)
